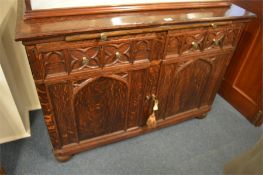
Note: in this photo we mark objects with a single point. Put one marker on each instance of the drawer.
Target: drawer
(181, 42)
(69, 57)
(197, 40)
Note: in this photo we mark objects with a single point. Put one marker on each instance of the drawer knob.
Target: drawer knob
(103, 37)
(118, 55)
(217, 42)
(85, 60)
(213, 25)
(151, 122)
(195, 45)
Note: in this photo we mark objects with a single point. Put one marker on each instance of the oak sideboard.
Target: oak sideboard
(109, 73)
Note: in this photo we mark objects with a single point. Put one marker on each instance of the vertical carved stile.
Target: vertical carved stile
(150, 88)
(137, 83)
(48, 116)
(68, 61)
(101, 55)
(129, 79)
(163, 43)
(74, 123)
(35, 62)
(60, 94)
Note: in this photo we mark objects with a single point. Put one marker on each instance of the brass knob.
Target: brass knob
(85, 60)
(219, 41)
(213, 25)
(216, 42)
(195, 45)
(103, 37)
(118, 55)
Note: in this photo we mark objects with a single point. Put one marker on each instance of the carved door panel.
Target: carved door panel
(189, 83)
(89, 107)
(100, 105)
(107, 104)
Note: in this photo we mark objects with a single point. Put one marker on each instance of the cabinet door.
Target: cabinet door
(100, 105)
(89, 107)
(189, 83)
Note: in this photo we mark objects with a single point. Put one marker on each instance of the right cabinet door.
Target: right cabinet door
(189, 83)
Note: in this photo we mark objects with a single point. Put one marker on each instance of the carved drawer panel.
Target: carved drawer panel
(181, 42)
(223, 37)
(69, 57)
(84, 57)
(214, 38)
(54, 63)
(118, 50)
(99, 56)
(232, 34)
(194, 41)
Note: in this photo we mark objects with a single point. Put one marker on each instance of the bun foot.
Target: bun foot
(62, 158)
(201, 116)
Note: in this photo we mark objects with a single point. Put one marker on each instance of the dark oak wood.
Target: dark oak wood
(98, 81)
(62, 157)
(31, 14)
(201, 116)
(64, 26)
(242, 86)
(118, 136)
(191, 79)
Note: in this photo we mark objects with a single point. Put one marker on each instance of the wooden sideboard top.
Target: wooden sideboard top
(33, 29)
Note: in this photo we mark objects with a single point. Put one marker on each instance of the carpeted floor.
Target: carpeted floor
(191, 148)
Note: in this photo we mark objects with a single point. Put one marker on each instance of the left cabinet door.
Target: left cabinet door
(100, 105)
(93, 106)
(89, 107)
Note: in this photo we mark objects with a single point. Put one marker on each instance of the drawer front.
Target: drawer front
(99, 56)
(194, 41)
(70, 57)
(54, 63)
